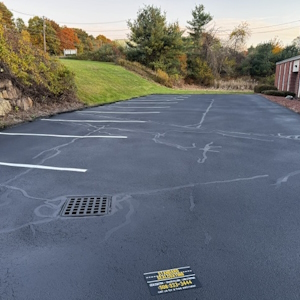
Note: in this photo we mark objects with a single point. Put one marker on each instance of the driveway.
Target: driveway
(208, 182)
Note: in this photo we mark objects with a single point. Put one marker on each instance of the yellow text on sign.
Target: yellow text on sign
(169, 274)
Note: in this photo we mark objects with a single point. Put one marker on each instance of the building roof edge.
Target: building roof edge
(287, 60)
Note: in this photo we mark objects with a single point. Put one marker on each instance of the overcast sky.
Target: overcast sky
(267, 18)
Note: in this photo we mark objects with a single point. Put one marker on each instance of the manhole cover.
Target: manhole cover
(87, 206)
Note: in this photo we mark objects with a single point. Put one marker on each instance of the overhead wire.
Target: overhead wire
(219, 32)
(75, 23)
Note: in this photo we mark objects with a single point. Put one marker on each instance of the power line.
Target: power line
(22, 13)
(108, 30)
(74, 23)
(283, 29)
(276, 25)
(121, 21)
(258, 32)
(218, 32)
(98, 23)
(262, 27)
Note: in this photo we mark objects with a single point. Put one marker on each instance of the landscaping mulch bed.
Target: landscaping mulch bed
(293, 105)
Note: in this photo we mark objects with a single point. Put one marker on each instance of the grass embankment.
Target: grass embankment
(99, 82)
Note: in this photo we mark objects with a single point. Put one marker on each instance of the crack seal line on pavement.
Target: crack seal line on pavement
(92, 121)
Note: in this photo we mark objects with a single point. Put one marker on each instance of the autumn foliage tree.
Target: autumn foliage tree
(32, 70)
(68, 38)
(103, 40)
(36, 27)
(6, 16)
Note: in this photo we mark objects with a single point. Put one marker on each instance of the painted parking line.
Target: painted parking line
(136, 107)
(42, 167)
(67, 136)
(156, 101)
(121, 112)
(151, 102)
(92, 121)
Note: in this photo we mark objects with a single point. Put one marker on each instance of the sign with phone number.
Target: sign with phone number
(173, 280)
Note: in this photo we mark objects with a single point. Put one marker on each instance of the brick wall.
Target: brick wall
(286, 79)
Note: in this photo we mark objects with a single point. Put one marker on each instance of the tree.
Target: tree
(103, 40)
(153, 42)
(86, 42)
(171, 58)
(200, 19)
(108, 52)
(20, 25)
(199, 72)
(35, 28)
(289, 51)
(260, 61)
(199, 51)
(37, 73)
(68, 38)
(6, 17)
(147, 34)
(239, 36)
(296, 42)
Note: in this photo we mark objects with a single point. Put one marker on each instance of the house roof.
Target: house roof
(289, 59)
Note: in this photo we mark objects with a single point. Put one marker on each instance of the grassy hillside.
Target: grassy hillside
(99, 82)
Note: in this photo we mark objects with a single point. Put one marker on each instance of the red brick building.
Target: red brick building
(287, 76)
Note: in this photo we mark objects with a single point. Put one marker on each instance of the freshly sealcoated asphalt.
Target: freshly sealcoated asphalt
(210, 182)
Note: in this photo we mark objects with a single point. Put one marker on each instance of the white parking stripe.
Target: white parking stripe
(92, 121)
(135, 107)
(67, 136)
(121, 112)
(156, 101)
(42, 167)
(152, 102)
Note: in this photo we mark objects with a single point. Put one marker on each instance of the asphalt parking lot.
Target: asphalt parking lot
(206, 181)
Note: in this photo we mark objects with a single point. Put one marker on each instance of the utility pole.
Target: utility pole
(44, 34)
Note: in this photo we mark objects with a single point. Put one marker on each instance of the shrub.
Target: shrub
(199, 72)
(33, 71)
(269, 80)
(235, 84)
(106, 53)
(163, 78)
(160, 76)
(278, 93)
(177, 80)
(264, 87)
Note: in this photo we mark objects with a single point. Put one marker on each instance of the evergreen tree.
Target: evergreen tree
(200, 19)
(153, 42)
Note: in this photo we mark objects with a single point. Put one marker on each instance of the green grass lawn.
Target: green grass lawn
(99, 82)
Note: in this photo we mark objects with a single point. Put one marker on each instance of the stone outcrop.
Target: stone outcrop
(11, 96)
(5, 107)
(24, 103)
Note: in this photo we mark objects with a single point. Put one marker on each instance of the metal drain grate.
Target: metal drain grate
(87, 206)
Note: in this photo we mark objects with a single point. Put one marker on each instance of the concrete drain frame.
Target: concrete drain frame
(86, 206)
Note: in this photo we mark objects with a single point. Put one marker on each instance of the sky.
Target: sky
(267, 19)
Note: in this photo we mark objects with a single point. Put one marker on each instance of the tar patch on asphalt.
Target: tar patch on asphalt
(173, 280)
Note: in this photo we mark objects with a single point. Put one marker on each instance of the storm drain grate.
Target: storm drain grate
(87, 206)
